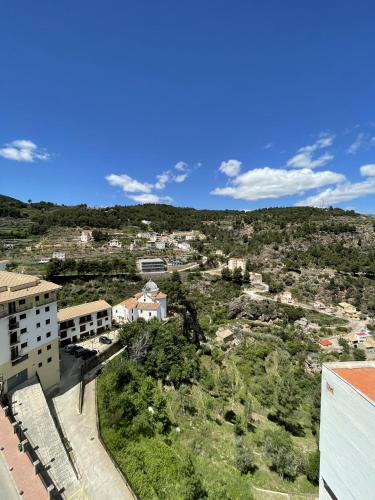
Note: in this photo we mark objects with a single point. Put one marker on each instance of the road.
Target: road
(99, 478)
(7, 487)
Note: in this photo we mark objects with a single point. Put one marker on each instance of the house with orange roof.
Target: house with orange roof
(148, 304)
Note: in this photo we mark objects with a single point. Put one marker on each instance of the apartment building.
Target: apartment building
(347, 431)
(151, 265)
(84, 320)
(28, 331)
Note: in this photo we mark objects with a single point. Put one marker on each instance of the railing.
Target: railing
(25, 307)
(13, 325)
(19, 359)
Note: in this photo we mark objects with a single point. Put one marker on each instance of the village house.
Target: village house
(151, 265)
(224, 336)
(285, 297)
(148, 304)
(325, 343)
(348, 310)
(114, 243)
(58, 255)
(237, 263)
(86, 235)
(255, 278)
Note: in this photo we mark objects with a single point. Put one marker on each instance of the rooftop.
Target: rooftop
(325, 342)
(360, 375)
(82, 309)
(151, 261)
(14, 286)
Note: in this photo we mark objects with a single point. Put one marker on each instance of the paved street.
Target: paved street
(100, 479)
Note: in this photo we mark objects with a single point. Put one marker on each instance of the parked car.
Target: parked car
(73, 348)
(68, 348)
(103, 339)
(79, 351)
(89, 354)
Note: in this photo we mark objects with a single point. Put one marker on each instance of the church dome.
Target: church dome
(150, 288)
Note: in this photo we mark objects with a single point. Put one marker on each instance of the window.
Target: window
(48, 321)
(39, 351)
(149, 314)
(22, 302)
(23, 330)
(23, 316)
(24, 345)
(37, 311)
(49, 347)
(46, 309)
(37, 298)
(49, 360)
(63, 335)
(38, 325)
(82, 328)
(48, 334)
(40, 365)
(46, 295)
(38, 339)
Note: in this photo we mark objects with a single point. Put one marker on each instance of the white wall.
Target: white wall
(347, 440)
(32, 333)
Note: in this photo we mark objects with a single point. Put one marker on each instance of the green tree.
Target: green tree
(226, 274)
(312, 467)
(244, 457)
(237, 276)
(280, 451)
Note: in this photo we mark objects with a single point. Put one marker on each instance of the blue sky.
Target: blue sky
(240, 104)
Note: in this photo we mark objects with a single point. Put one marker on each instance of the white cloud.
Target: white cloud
(368, 170)
(23, 150)
(181, 166)
(269, 145)
(150, 198)
(262, 183)
(143, 190)
(180, 178)
(357, 144)
(230, 167)
(304, 157)
(127, 184)
(162, 180)
(342, 192)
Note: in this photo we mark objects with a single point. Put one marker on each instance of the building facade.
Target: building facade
(151, 265)
(79, 322)
(347, 431)
(237, 263)
(148, 304)
(86, 236)
(28, 331)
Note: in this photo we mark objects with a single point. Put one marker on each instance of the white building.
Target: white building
(347, 431)
(84, 320)
(44, 260)
(237, 263)
(186, 247)
(28, 331)
(86, 235)
(115, 243)
(58, 255)
(255, 278)
(148, 304)
(285, 297)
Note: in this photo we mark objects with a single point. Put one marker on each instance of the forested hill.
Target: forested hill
(163, 217)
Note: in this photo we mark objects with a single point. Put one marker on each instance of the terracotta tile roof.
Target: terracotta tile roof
(325, 342)
(82, 310)
(130, 303)
(159, 295)
(361, 378)
(148, 305)
(138, 294)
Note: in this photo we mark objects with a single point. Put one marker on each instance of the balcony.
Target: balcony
(19, 359)
(13, 325)
(13, 338)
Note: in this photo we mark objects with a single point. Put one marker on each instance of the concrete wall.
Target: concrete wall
(347, 440)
